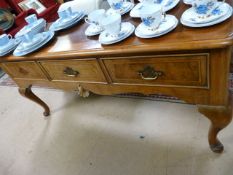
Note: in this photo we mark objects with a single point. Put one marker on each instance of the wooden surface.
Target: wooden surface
(188, 63)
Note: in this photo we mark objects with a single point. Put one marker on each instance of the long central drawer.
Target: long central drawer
(170, 70)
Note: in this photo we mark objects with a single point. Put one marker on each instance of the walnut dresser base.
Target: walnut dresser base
(191, 64)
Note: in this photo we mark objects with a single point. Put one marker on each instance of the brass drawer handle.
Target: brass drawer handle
(70, 72)
(149, 73)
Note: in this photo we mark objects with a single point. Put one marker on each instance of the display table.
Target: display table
(191, 64)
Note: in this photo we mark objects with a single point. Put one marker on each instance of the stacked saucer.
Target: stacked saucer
(126, 30)
(197, 17)
(67, 19)
(166, 5)
(31, 43)
(155, 22)
(7, 44)
(167, 25)
(119, 6)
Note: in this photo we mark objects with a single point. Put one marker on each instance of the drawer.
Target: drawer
(87, 70)
(24, 70)
(171, 70)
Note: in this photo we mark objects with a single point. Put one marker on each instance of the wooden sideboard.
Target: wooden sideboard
(191, 64)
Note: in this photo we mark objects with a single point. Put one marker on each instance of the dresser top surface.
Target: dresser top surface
(73, 42)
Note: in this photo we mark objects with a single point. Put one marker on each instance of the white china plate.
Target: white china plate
(126, 30)
(191, 16)
(169, 23)
(219, 20)
(18, 52)
(36, 26)
(12, 44)
(58, 25)
(170, 4)
(93, 30)
(127, 6)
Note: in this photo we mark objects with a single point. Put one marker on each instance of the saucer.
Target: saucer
(11, 45)
(93, 30)
(37, 40)
(169, 23)
(217, 21)
(167, 5)
(191, 16)
(126, 30)
(64, 24)
(47, 37)
(127, 6)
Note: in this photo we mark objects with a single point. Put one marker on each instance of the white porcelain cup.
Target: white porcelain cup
(65, 13)
(205, 7)
(4, 39)
(116, 4)
(152, 15)
(95, 17)
(112, 24)
(28, 37)
(31, 19)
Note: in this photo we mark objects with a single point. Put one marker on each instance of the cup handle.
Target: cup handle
(163, 16)
(87, 21)
(10, 36)
(193, 4)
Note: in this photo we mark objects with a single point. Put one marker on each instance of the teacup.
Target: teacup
(112, 24)
(205, 7)
(4, 39)
(65, 13)
(152, 16)
(116, 4)
(31, 19)
(95, 17)
(28, 37)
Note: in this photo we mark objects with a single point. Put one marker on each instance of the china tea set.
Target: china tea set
(109, 26)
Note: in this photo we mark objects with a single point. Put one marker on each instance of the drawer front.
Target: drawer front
(74, 70)
(24, 70)
(176, 70)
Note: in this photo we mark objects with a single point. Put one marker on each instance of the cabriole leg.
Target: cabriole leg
(27, 92)
(220, 117)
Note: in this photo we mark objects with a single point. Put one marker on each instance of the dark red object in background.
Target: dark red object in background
(50, 14)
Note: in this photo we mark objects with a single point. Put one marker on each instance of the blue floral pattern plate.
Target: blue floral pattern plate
(126, 30)
(191, 15)
(47, 37)
(169, 23)
(167, 5)
(210, 23)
